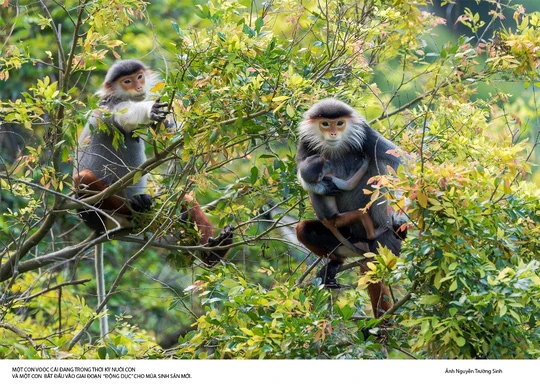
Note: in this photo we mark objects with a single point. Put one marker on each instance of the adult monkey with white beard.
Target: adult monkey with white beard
(333, 129)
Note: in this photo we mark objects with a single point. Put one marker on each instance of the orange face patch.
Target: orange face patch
(332, 128)
(133, 83)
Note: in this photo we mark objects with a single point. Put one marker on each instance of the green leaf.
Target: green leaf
(248, 31)
(254, 173)
(290, 111)
(213, 136)
(430, 299)
(102, 353)
(177, 28)
(259, 24)
(65, 154)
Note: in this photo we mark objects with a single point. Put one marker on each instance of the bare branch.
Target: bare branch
(74, 282)
(19, 333)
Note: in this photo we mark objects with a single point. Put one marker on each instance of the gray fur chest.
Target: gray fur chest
(97, 153)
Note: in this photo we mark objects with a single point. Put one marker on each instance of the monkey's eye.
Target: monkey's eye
(340, 123)
(127, 81)
(325, 124)
(140, 76)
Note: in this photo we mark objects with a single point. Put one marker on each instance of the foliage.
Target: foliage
(53, 318)
(238, 77)
(247, 321)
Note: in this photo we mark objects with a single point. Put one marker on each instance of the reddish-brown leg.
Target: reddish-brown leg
(193, 213)
(92, 183)
(320, 240)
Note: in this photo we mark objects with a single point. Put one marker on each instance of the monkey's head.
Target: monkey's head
(127, 80)
(314, 168)
(332, 126)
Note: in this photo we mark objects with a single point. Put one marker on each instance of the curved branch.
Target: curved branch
(8, 269)
(19, 333)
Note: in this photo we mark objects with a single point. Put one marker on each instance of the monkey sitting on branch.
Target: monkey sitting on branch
(334, 130)
(316, 177)
(109, 149)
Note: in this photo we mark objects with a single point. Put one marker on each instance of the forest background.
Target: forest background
(454, 84)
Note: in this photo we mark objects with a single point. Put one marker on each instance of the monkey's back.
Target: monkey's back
(97, 154)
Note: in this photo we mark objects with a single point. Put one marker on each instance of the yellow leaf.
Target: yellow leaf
(363, 282)
(158, 86)
(422, 199)
(137, 177)
(280, 98)
(371, 266)
(434, 201)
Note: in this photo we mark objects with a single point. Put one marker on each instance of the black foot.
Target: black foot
(328, 274)
(225, 238)
(367, 332)
(93, 220)
(331, 284)
(141, 203)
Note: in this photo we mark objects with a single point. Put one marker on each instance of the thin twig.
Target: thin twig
(75, 282)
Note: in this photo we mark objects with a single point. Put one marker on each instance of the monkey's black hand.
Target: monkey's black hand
(141, 203)
(330, 189)
(157, 113)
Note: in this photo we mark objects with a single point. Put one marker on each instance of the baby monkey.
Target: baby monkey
(316, 171)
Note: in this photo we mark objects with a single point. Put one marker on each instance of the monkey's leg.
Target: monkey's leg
(193, 213)
(379, 293)
(347, 218)
(320, 240)
(86, 180)
(139, 203)
(328, 273)
(329, 223)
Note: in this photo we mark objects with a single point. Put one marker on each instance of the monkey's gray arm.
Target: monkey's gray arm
(129, 114)
(349, 185)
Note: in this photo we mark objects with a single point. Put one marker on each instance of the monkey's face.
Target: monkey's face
(133, 85)
(332, 127)
(332, 130)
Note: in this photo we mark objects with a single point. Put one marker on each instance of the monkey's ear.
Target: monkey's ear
(108, 86)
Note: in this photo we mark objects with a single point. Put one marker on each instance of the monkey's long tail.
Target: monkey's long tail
(100, 284)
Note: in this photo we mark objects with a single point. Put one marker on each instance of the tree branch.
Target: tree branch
(74, 282)
(19, 333)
